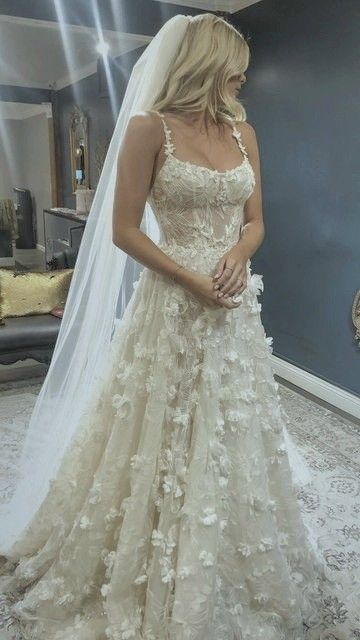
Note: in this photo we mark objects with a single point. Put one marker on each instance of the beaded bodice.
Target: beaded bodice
(200, 211)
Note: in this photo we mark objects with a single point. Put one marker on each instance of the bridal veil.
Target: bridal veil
(98, 295)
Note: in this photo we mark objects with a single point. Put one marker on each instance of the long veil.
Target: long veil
(98, 295)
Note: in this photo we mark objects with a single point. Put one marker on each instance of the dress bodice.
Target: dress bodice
(200, 211)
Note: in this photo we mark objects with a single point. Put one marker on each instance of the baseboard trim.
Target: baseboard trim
(330, 393)
(7, 262)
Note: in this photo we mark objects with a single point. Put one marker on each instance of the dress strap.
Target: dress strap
(168, 145)
(237, 135)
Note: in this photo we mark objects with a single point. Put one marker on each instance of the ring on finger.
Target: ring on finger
(230, 295)
(238, 293)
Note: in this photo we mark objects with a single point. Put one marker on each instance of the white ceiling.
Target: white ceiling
(36, 53)
(214, 5)
(41, 54)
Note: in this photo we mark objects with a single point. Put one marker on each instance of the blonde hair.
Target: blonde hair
(211, 52)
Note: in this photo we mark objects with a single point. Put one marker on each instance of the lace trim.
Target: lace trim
(169, 146)
(237, 135)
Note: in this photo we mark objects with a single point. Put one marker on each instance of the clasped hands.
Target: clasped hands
(230, 278)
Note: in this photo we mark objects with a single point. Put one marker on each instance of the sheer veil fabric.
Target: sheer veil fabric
(99, 292)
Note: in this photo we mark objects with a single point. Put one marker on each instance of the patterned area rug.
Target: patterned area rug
(330, 505)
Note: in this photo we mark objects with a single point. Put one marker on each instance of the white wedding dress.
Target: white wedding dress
(174, 515)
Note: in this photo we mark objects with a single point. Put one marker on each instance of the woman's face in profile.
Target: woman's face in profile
(235, 83)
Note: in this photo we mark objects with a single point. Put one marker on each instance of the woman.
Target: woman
(173, 514)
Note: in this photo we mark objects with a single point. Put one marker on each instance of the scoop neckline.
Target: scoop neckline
(245, 161)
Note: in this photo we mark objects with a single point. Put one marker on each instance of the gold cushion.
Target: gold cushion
(26, 293)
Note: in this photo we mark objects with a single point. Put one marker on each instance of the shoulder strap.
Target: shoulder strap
(237, 135)
(169, 146)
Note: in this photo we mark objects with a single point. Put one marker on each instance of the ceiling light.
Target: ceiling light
(103, 47)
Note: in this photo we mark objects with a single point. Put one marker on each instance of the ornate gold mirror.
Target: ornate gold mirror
(79, 150)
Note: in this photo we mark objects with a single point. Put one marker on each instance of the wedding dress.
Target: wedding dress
(174, 514)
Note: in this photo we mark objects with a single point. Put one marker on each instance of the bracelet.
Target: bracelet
(173, 275)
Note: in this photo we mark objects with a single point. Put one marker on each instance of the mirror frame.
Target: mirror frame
(78, 117)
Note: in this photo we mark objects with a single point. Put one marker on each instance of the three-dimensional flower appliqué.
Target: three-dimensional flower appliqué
(207, 558)
(210, 516)
(85, 523)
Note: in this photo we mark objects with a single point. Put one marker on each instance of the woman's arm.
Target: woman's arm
(135, 165)
(253, 231)
(231, 269)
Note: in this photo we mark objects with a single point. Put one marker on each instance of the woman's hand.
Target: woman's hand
(202, 287)
(230, 276)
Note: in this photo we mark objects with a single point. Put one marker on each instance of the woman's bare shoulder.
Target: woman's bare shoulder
(248, 134)
(246, 128)
(145, 120)
(145, 126)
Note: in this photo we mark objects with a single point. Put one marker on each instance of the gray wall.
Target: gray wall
(101, 118)
(302, 97)
(21, 142)
(13, 93)
(37, 175)
(11, 168)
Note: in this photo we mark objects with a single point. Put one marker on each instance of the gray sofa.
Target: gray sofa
(34, 336)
